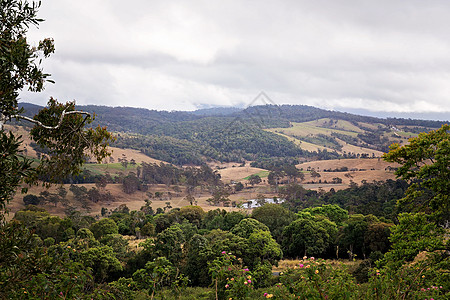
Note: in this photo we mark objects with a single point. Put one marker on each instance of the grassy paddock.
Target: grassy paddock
(261, 174)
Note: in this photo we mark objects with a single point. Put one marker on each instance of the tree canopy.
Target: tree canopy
(425, 162)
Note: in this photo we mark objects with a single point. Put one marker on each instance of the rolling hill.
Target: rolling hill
(257, 133)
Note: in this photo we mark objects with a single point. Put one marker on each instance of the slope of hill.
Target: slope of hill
(252, 134)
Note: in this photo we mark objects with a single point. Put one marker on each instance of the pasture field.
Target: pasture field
(358, 170)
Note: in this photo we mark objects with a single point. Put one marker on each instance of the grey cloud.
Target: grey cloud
(377, 55)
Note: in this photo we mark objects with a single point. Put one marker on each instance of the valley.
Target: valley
(354, 160)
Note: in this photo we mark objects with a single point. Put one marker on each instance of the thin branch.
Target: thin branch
(64, 113)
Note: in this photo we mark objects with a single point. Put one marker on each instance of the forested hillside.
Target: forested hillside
(257, 133)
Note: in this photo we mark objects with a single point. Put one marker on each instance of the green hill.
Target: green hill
(257, 133)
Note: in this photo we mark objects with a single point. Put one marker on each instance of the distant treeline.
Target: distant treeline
(232, 135)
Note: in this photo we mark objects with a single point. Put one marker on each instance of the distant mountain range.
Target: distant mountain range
(262, 134)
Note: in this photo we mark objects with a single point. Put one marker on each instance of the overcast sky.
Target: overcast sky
(381, 56)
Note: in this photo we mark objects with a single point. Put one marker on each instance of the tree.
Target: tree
(31, 199)
(104, 227)
(169, 244)
(293, 193)
(247, 226)
(274, 178)
(331, 211)
(293, 173)
(352, 235)
(274, 216)
(254, 179)
(314, 173)
(59, 127)
(425, 162)
(101, 260)
(194, 214)
(260, 199)
(308, 235)
(131, 183)
(262, 247)
(189, 198)
(238, 187)
(198, 253)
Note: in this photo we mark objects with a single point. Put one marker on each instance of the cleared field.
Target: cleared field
(308, 128)
(348, 148)
(357, 163)
(238, 173)
(302, 144)
(134, 201)
(334, 124)
(373, 126)
(359, 170)
(261, 174)
(118, 153)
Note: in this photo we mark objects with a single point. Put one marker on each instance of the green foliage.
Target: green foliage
(193, 214)
(229, 279)
(198, 254)
(308, 236)
(427, 279)
(333, 212)
(19, 61)
(101, 260)
(262, 248)
(14, 168)
(117, 243)
(69, 143)
(414, 234)
(124, 288)
(315, 279)
(104, 227)
(425, 161)
(377, 198)
(254, 179)
(30, 272)
(248, 226)
(352, 235)
(158, 274)
(169, 243)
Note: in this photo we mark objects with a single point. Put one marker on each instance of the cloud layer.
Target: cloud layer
(382, 56)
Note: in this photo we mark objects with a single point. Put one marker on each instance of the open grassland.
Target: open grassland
(341, 125)
(349, 148)
(238, 173)
(354, 163)
(136, 200)
(302, 144)
(368, 169)
(358, 170)
(308, 129)
(373, 126)
(310, 135)
(262, 174)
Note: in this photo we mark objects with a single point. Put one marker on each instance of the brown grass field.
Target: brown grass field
(230, 173)
(364, 169)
